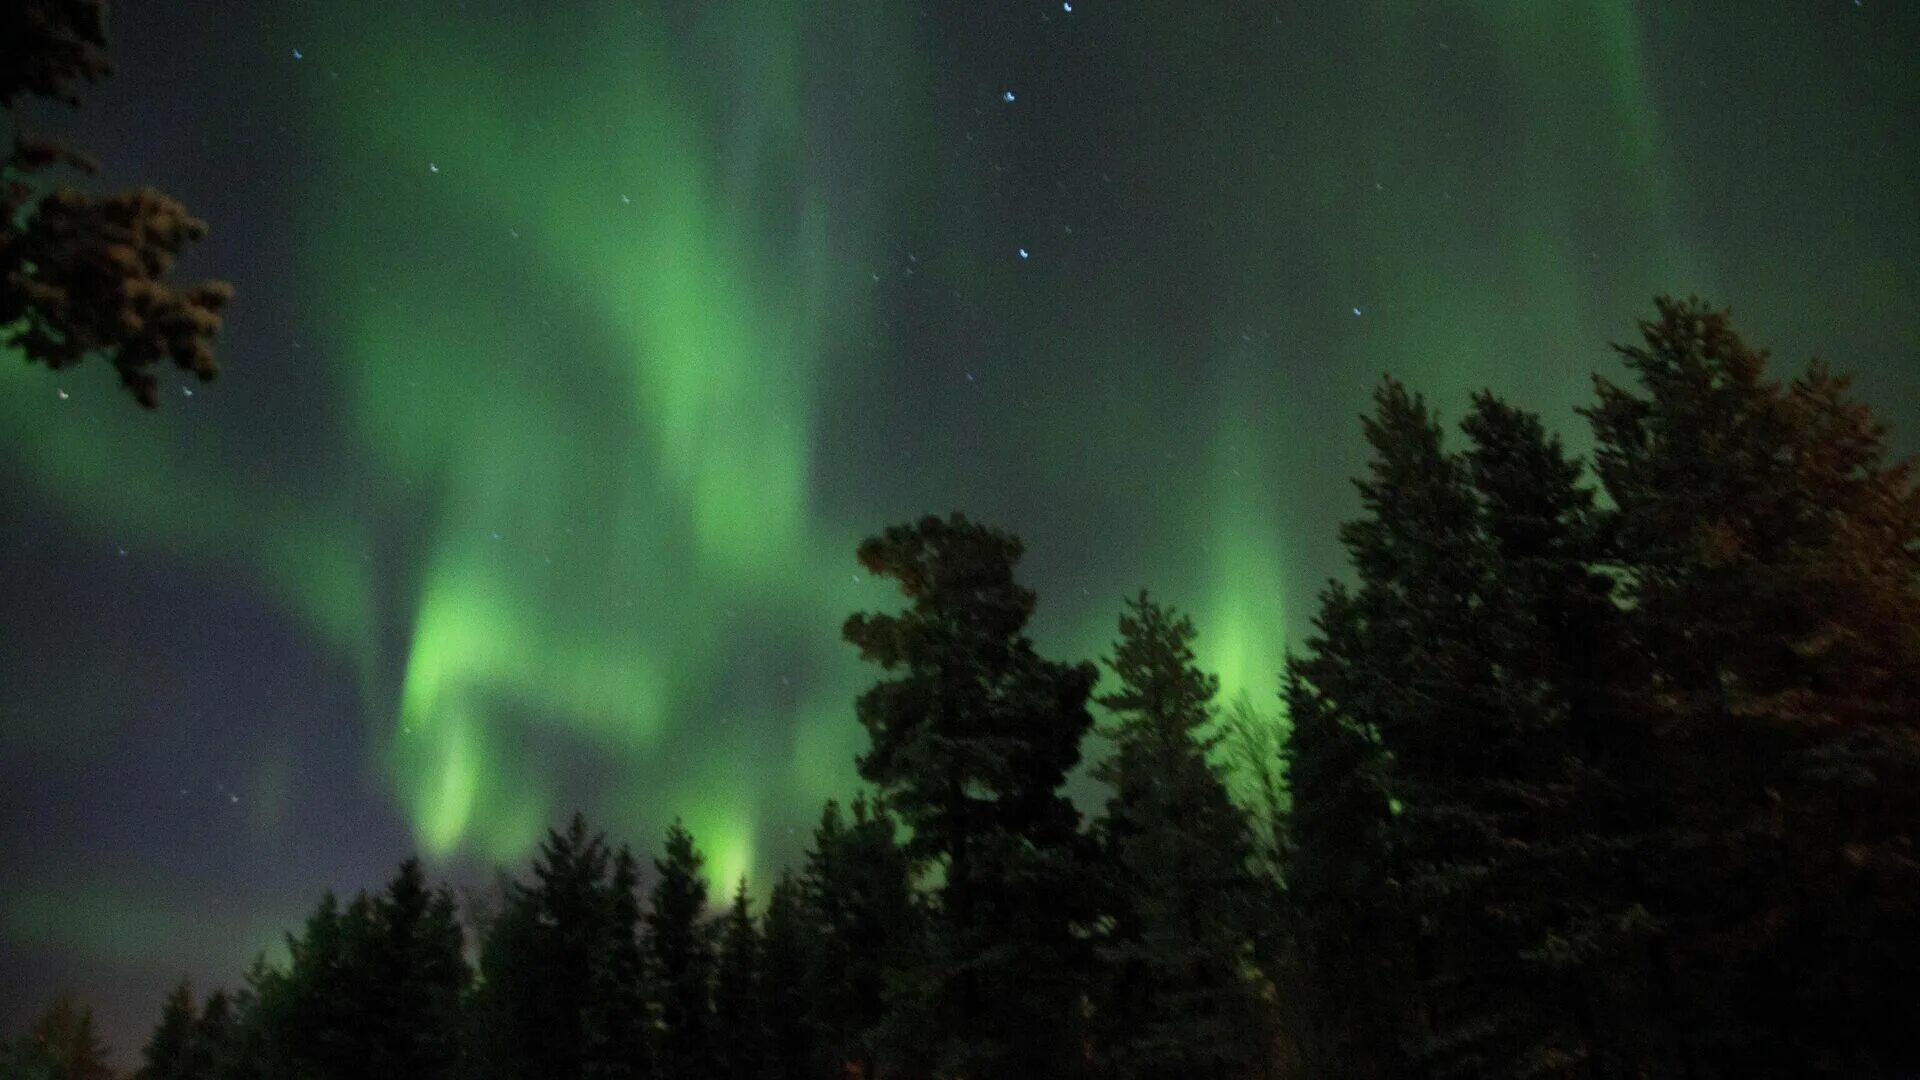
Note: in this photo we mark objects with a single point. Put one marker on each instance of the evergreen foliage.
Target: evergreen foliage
(1176, 995)
(1771, 553)
(740, 1028)
(971, 737)
(558, 967)
(169, 1051)
(788, 945)
(1577, 783)
(681, 951)
(60, 1045)
(864, 923)
(84, 275)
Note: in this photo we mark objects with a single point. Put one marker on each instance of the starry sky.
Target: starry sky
(577, 344)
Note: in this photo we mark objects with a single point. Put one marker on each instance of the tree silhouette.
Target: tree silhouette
(1176, 997)
(857, 895)
(740, 1029)
(61, 1045)
(617, 1022)
(683, 960)
(84, 275)
(1772, 570)
(373, 989)
(788, 945)
(169, 1052)
(540, 1009)
(971, 737)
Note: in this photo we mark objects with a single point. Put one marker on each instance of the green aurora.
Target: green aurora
(618, 325)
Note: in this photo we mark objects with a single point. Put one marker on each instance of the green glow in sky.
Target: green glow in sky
(583, 414)
(607, 350)
(613, 416)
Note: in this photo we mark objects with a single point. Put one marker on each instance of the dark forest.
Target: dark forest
(1602, 769)
(1535, 723)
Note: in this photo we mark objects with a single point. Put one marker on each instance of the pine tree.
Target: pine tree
(84, 275)
(1419, 676)
(169, 1052)
(740, 1032)
(61, 1045)
(309, 1011)
(1176, 997)
(190, 1042)
(215, 1040)
(617, 1023)
(787, 947)
(1564, 901)
(1349, 979)
(372, 990)
(682, 957)
(246, 1051)
(971, 738)
(1772, 556)
(417, 980)
(539, 1010)
(1457, 653)
(857, 893)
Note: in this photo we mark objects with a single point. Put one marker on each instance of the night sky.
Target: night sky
(578, 343)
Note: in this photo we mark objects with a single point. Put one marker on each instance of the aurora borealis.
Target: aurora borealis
(577, 345)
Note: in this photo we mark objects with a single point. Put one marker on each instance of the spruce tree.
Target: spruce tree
(1565, 897)
(215, 1040)
(1348, 984)
(859, 905)
(618, 1021)
(971, 737)
(417, 982)
(1772, 561)
(246, 1051)
(1420, 678)
(740, 1033)
(682, 957)
(1176, 997)
(169, 1052)
(788, 943)
(310, 1010)
(1474, 585)
(60, 1045)
(540, 1009)
(372, 990)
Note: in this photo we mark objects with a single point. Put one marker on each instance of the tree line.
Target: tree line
(1589, 771)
